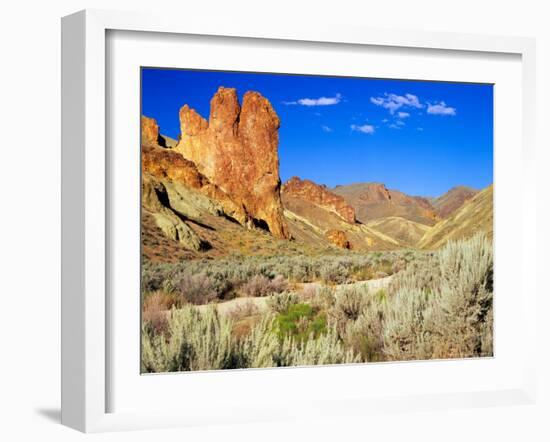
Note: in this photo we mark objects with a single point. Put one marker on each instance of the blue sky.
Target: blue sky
(419, 137)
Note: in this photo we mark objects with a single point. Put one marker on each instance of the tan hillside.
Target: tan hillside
(450, 201)
(476, 215)
(405, 231)
(374, 201)
(310, 223)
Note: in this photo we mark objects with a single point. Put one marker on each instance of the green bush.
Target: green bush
(301, 321)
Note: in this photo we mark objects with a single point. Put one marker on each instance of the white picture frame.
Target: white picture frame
(85, 307)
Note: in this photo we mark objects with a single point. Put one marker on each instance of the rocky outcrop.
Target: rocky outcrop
(149, 131)
(320, 196)
(236, 150)
(338, 238)
(155, 201)
(170, 167)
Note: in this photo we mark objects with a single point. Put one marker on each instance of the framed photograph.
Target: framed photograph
(263, 223)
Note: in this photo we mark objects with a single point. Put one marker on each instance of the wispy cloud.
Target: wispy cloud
(326, 129)
(396, 105)
(393, 102)
(321, 101)
(440, 109)
(365, 128)
(397, 125)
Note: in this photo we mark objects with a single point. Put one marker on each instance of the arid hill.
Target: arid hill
(450, 201)
(405, 231)
(320, 196)
(313, 224)
(314, 214)
(476, 215)
(373, 201)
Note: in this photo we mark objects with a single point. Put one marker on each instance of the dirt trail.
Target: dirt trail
(260, 304)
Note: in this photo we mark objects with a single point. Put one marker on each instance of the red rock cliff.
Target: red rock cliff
(237, 151)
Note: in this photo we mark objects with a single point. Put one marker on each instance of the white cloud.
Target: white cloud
(393, 102)
(326, 129)
(365, 128)
(321, 101)
(403, 114)
(440, 109)
(420, 129)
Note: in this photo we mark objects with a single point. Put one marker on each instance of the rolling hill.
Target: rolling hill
(476, 215)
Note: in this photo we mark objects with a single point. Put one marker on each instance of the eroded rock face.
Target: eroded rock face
(237, 151)
(149, 130)
(338, 238)
(155, 201)
(320, 196)
(165, 164)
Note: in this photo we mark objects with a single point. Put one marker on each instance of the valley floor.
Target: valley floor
(288, 310)
(233, 306)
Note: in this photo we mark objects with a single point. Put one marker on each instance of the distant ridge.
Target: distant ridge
(374, 201)
(451, 200)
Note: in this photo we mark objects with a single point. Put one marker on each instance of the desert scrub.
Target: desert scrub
(155, 307)
(192, 341)
(324, 350)
(263, 348)
(447, 315)
(260, 285)
(357, 315)
(230, 273)
(438, 306)
(195, 340)
(282, 302)
(197, 289)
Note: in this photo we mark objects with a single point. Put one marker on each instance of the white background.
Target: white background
(30, 114)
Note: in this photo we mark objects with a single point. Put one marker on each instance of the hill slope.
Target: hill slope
(374, 201)
(309, 224)
(450, 201)
(474, 216)
(407, 232)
